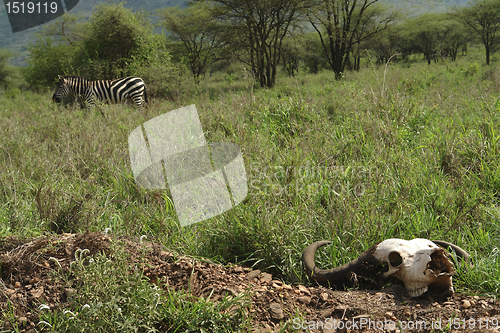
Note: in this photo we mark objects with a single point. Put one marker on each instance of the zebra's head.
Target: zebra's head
(62, 90)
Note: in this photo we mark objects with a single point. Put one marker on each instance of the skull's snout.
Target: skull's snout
(56, 98)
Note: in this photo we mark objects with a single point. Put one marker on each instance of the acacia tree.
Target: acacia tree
(259, 27)
(483, 17)
(435, 35)
(198, 34)
(425, 33)
(341, 24)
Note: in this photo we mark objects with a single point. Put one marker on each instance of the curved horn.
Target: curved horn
(364, 265)
(461, 253)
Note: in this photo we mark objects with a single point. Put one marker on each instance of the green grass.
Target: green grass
(405, 151)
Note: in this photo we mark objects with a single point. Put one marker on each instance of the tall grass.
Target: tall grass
(404, 150)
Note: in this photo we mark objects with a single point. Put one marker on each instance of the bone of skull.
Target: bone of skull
(419, 263)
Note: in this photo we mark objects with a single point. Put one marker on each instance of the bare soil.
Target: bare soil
(26, 283)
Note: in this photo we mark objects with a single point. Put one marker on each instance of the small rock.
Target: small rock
(17, 284)
(466, 304)
(286, 286)
(165, 254)
(304, 299)
(278, 288)
(323, 297)
(390, 315)
(36, 293)
(276, 311)
(266, 277)
(238, 269)
(326, 313)
(304, 289)
(22, 320)
(278, 282)
(361, 316)
(253, 274)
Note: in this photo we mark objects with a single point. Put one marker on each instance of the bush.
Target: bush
(7, 72)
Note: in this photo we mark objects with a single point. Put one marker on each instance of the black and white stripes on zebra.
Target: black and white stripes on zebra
(112, 91)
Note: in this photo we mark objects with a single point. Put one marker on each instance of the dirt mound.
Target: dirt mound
(26, 282)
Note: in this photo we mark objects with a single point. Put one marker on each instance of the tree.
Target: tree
(387, 44)
(455, 37)
(483, 17)
(424, 32)
(435, 35)
(259, 27)
(197, 32)
(341, 24)
(6, 70)
(117, 39)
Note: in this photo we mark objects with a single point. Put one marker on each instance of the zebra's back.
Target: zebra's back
(118, 90)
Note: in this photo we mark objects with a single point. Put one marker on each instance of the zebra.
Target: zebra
(114, 91)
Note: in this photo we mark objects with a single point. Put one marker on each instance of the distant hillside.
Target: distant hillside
(416, 7)
(17, 42)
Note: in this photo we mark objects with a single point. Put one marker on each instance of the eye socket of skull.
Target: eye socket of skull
(395, 259)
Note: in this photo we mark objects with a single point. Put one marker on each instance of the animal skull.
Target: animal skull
(419, 263)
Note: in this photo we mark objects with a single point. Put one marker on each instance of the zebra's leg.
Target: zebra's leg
(138, 101)
(91, 104)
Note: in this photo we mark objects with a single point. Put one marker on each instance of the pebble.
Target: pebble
(304, 289)
(366, 315)
(276, 311)
(253, 274)
(266, 277)
(390, 315)
(36, 293)
(327, 312)
(238, 269)
(304, 299)
(323, 297)
(278, 288)
(466, 304)
(17, 284)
